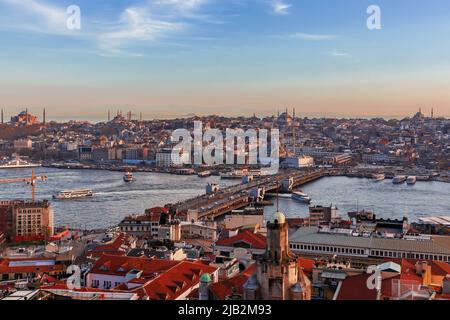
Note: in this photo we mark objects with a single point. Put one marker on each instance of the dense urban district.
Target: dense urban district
(222, 245)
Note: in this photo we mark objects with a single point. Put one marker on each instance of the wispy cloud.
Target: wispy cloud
(35, 16)
(280, 7)
(340, 54)
(312, 37)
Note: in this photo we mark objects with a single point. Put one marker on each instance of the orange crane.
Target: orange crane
(30, 181)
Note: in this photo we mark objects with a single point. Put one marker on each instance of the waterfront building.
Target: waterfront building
(85, 153)
(338, 160)
(311, 242)
(297, 162)
(323, 215)
(23, 144)
(32, 220)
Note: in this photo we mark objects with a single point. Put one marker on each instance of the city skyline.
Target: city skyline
(170, 58)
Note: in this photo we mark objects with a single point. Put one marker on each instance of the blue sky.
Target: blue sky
(174, 57)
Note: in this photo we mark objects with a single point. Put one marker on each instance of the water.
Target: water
(384, 198)
(115, 199)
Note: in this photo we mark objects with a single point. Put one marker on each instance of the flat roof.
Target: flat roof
(310, 235)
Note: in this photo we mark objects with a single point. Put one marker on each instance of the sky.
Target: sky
(168, 58)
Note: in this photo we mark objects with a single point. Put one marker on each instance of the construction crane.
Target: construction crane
(30, 181)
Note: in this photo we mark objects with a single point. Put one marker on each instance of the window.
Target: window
(95, 283)
(107, 284)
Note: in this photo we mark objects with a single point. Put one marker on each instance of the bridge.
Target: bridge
(237, 196)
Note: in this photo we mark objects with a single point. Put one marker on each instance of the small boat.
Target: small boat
(399, 179)
(128, 177)
(204, 174)
(301, 197)
(73, 194)
(18, 163)
(378, 176)
(411, 180)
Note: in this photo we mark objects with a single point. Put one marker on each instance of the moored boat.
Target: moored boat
(379, 176)
(399, 179)
(411, 180)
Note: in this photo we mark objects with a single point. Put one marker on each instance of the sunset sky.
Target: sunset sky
(169, 58)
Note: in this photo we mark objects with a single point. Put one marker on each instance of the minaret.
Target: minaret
(432, 113)
(2, 115)
(26, 115)
(140, 116)
(109, 115)
(293, 113)
(43, 116)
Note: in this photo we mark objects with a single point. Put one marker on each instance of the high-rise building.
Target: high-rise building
(32, 220)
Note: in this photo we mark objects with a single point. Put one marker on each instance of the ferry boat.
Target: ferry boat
(128, 177)
(18, 163)
(379, 176)
(399, 179)
(73, 194)
(411, 180)
(204, 174)
(301, 197)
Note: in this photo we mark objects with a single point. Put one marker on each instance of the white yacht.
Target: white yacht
(18, 163)
(301, 196)
(73, 194)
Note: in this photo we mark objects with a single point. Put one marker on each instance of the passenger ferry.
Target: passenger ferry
(73, 194)
(18, 163)
(411, 180)
(128, 177)
(301, 197)
(399, 179)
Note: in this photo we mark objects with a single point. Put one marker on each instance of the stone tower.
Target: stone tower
(277, 272)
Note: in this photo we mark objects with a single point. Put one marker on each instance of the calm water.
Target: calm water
(386, 199)
(115, 199)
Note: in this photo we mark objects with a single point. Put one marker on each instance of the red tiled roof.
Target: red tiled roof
(224, 288)
(176, 281)
(5, 267)
(121, 265)
(114, 248)
(306, 264)
(255, 240)
(355, 288)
